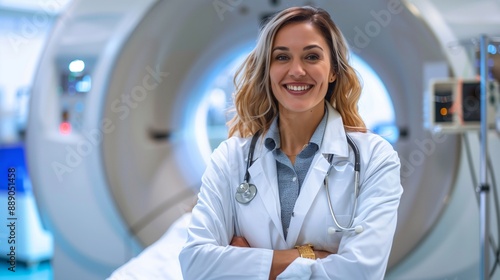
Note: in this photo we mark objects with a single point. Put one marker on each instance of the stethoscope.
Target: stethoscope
(246, 191)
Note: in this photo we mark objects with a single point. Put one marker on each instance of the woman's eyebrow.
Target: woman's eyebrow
(306, 48)
(280, 48)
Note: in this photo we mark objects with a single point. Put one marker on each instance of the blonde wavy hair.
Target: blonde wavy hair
(254, 103)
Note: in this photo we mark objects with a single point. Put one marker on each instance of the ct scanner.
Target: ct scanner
(114, 151)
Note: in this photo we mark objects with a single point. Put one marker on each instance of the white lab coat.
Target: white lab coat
(207, 254)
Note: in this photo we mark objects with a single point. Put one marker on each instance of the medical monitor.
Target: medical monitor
(454, 105)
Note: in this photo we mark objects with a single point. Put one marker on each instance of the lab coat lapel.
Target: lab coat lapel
(263, 175)
(334, 142)
(308, 192)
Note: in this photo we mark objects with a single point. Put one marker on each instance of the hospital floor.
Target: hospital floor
(42, 271)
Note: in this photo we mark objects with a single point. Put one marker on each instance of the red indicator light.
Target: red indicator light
(65, 128)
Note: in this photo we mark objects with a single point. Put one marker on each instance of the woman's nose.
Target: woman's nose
(296, 69)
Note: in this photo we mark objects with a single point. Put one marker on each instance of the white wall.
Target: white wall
(22, 36)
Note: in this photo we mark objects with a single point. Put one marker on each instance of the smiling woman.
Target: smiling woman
(300, 72)
(296, 117)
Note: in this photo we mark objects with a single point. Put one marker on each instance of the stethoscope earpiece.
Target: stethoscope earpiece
(357, 229)
(245, 192)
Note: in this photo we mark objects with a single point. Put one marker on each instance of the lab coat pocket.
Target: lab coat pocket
(332, 237)
(252, 216)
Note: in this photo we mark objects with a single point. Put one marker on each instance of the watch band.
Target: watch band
(306, 251)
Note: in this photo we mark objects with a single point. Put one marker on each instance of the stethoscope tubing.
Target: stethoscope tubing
(250, 155)
(355, 149)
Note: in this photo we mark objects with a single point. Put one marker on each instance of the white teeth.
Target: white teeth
(297, 88)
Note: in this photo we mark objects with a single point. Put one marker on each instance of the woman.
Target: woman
(298, 94)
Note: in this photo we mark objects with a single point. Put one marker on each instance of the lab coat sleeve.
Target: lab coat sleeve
(207, 253)
(365, 255)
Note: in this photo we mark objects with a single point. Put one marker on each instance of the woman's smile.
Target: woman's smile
(298, 89)
(301, 69)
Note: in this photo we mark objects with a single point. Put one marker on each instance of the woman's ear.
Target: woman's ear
(329, 91)
(332, 78)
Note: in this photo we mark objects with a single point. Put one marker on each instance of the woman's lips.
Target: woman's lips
(297, 89)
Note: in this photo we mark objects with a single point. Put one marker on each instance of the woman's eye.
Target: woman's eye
(312, 57)
(281, 57)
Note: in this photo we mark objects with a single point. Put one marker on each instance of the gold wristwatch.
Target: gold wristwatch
(306, 251)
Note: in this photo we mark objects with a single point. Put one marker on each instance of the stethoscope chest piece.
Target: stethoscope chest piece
(245, 193)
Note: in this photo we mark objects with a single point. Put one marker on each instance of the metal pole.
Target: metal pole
(483, 187)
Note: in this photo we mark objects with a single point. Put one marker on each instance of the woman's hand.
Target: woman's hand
(322, 254)
(239, 241)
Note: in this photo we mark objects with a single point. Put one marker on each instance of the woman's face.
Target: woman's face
(300, 68)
